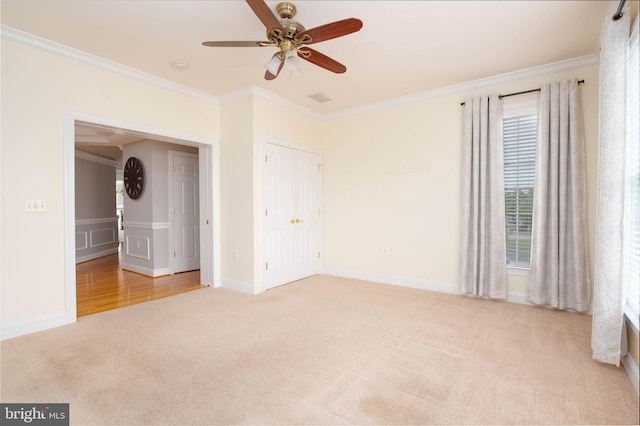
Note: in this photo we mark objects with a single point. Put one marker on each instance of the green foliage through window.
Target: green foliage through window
(519, 177)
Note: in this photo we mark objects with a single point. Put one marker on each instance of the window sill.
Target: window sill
(519, 272)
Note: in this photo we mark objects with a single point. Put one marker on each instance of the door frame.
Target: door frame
(209, 166)
(259, 266)
(172, 225)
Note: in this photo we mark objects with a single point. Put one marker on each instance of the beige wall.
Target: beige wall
(236, 192)
(391, 176)
(391, 179)
(248, 121)
(38, 88)
(278, 122)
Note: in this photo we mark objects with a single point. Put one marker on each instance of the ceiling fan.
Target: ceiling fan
(292, 39)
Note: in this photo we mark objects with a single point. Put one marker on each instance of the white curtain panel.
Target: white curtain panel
(483, 265)
(559, 275)
(608, 298)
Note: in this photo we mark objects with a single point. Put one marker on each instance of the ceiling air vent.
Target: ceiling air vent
(319, 97)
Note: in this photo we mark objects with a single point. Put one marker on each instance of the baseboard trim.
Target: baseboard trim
(240, 286)
(92, 256)
(153, 273)
(517, 297)
(28, 327)
(440, 287)
(632, 371)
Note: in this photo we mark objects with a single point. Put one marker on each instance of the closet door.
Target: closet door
(292, 214)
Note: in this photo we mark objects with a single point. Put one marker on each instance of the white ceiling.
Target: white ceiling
(103, 141)
(404, 47)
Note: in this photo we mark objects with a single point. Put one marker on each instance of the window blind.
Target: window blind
(632, 244)
(519, 167)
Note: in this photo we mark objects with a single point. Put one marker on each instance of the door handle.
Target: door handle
(299, 220)
(293, 221)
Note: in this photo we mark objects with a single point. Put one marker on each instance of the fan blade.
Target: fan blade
(236, 43)
(262, 11)
(332, 30)
(269, 76)
(321, 60)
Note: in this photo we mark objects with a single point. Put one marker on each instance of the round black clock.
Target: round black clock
(133, 178)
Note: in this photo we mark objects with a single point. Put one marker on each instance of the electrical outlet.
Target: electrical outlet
(235, 254)
(385, 251)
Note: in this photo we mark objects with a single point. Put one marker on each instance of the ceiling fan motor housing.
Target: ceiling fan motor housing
(286, 10)
(291, 27)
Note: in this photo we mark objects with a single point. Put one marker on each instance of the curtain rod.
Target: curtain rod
(618, 14)
(523, 92)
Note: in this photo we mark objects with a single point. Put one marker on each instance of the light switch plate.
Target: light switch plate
(38, 206)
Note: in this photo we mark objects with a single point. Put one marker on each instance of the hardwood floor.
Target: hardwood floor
(102, 285)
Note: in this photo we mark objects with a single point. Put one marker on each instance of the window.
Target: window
(519, 166)
(632, 234)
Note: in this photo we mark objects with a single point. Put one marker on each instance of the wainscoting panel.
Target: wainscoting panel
(139, 247)
(82, 240)
(102, 237)
(96, 238)
(146, 248)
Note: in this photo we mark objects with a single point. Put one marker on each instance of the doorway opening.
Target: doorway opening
(105, 137)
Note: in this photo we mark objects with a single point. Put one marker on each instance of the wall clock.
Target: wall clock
(133, 178)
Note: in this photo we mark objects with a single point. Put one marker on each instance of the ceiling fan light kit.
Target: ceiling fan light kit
(292, 39)
(295, 73)
(274, 64)
(293, 64)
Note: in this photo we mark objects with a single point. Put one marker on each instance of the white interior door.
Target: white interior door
(292, 214)
(186, 233)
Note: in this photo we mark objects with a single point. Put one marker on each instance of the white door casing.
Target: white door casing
(210, 160)
(292, 222)
(185, 212)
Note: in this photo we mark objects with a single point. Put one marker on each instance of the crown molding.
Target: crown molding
(241, 93)
(28, 39)
(97, 159)
(31, 40)
(265, 94)
(578, 62)
(259, 91)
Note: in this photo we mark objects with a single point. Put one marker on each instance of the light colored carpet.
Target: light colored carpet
(323, 350)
